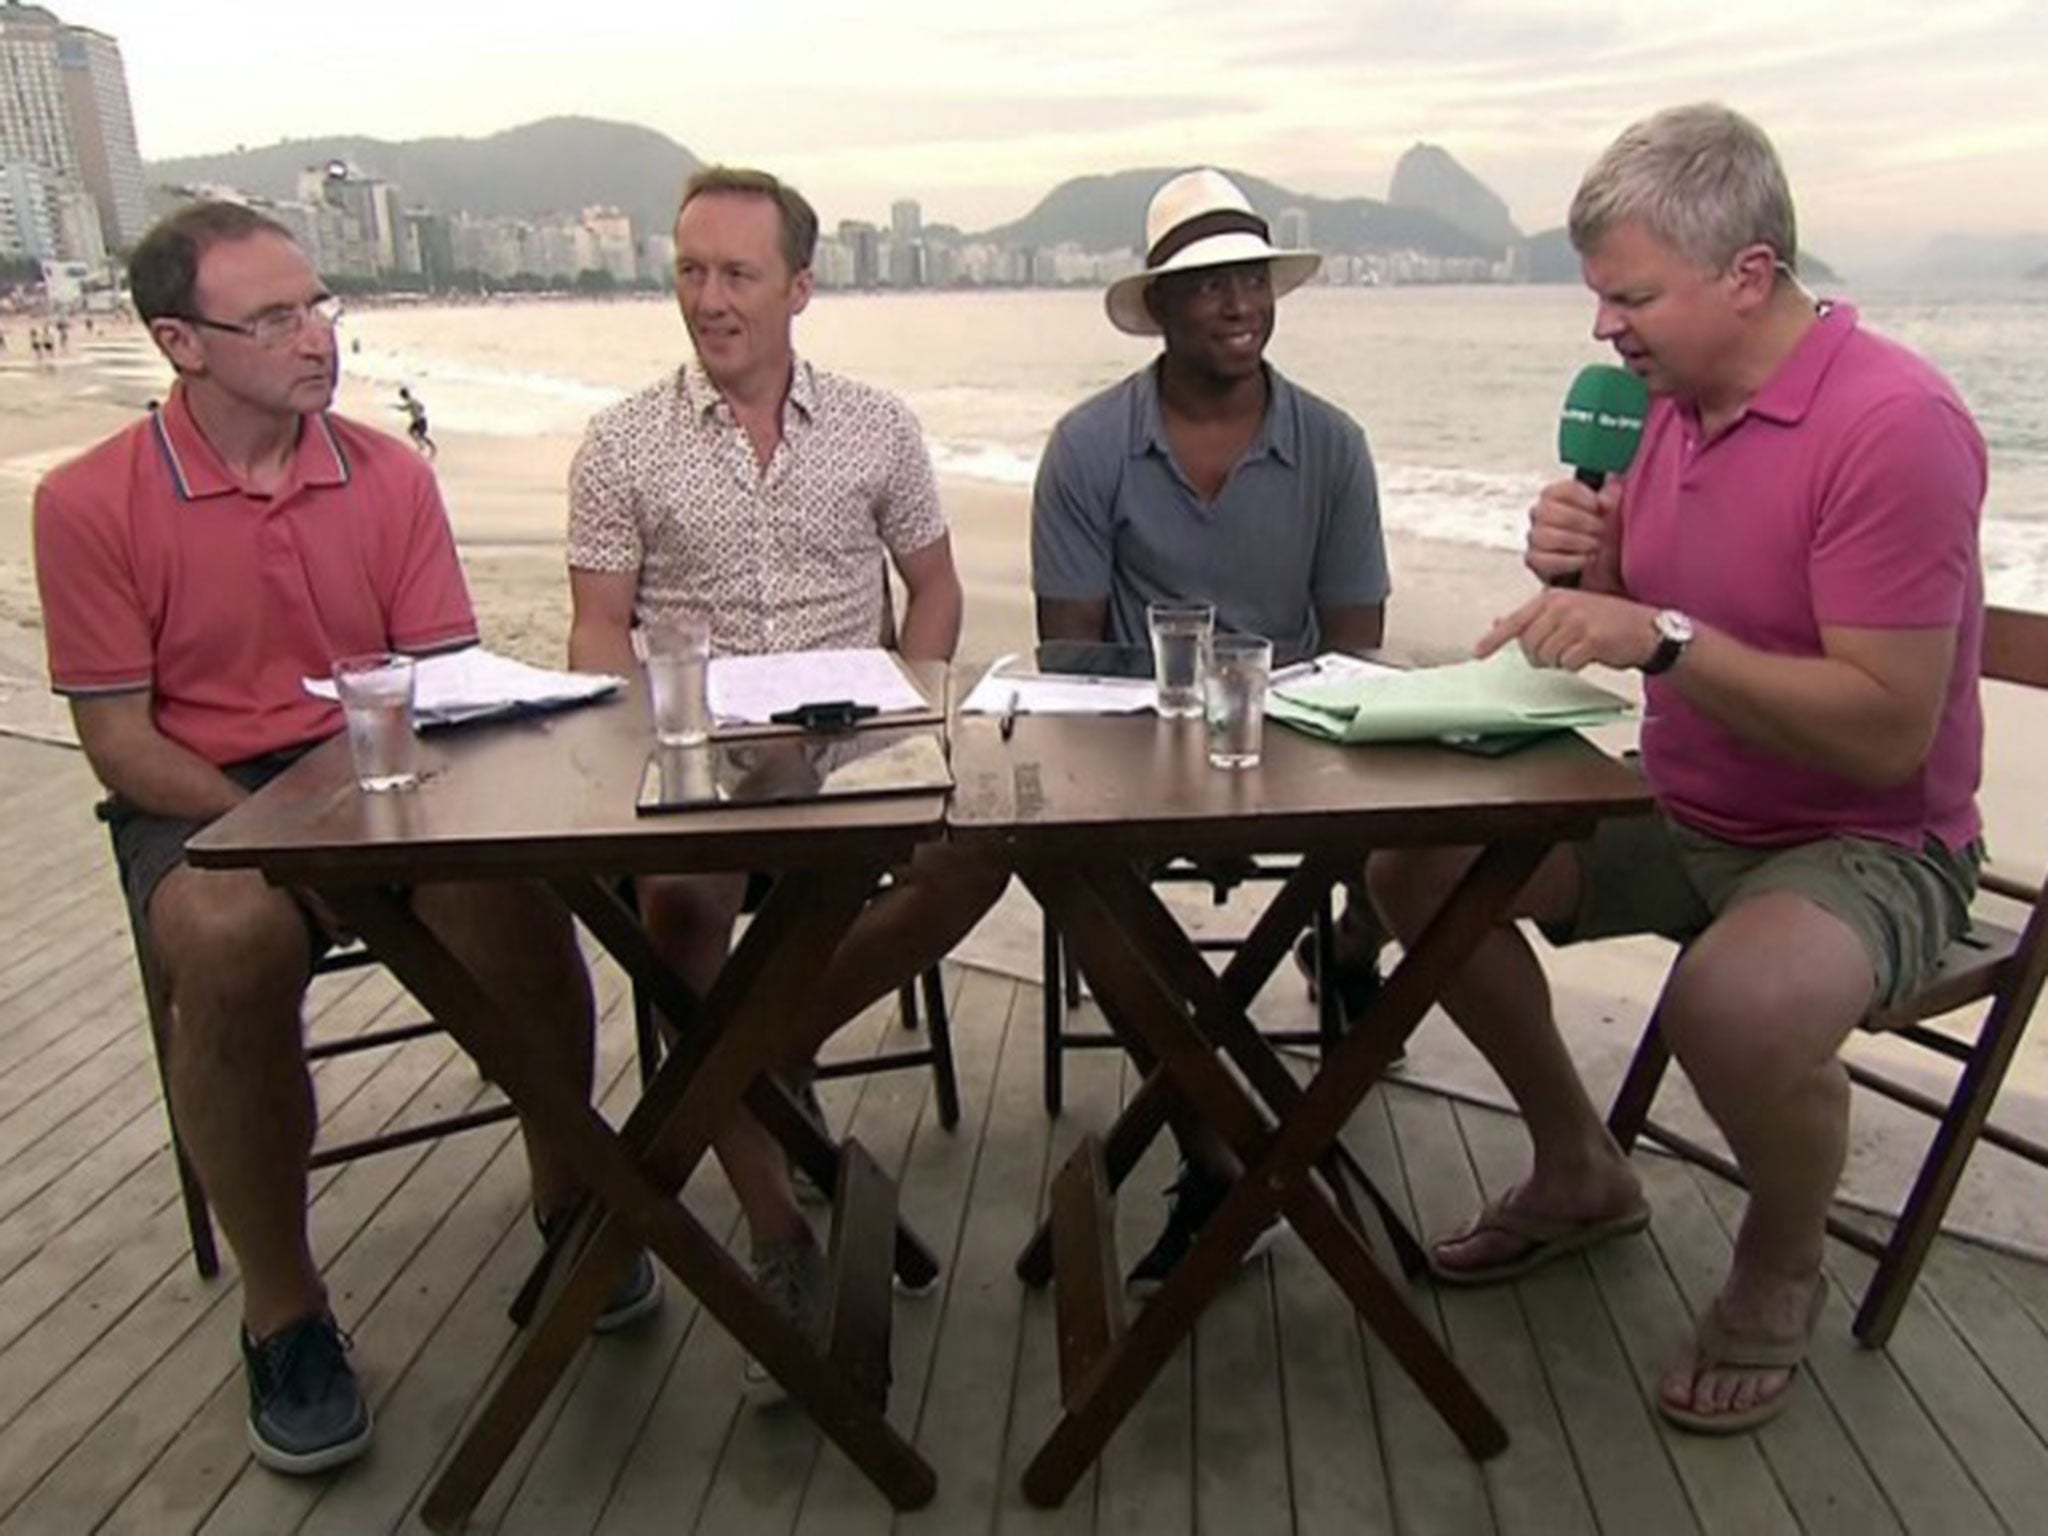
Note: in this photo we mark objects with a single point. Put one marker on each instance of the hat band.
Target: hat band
(1224, 221)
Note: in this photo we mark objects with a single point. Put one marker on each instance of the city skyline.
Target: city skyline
(1897, 122)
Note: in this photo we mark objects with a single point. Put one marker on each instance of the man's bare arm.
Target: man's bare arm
(601, 621)
(135, 760)
(1867, 708)
(932, 603)
(1353, 628)
(1061, 618)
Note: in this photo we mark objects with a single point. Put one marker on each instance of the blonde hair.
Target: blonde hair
(1703, 179)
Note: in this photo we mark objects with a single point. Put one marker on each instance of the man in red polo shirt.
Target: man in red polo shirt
(1793, 564)
(194, 568)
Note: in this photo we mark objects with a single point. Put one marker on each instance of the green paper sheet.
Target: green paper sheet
(1501, 695)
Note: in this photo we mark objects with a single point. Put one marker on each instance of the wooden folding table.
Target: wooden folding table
(552, 800)
(1079, 804)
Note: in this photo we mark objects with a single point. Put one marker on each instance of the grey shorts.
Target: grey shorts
(147, 847)
(1648, 874)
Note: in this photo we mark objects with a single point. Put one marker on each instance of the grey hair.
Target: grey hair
(1703, 179)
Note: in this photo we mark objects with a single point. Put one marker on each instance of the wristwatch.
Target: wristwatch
(1674, 634)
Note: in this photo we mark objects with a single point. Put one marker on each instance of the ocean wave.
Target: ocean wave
(492, 402)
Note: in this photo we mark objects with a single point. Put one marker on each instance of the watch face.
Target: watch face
(1673, 625)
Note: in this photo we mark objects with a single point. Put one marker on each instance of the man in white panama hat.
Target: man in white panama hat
(1207, 475)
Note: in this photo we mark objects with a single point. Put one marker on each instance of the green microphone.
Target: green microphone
(1599, 428)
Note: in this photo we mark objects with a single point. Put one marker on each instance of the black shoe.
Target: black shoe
(634, 1297)
(1358, 984)
(306, 1412)
(1192, 1200)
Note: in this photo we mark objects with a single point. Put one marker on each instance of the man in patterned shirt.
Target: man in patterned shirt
(770, 496)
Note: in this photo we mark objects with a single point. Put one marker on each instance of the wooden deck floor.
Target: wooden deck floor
(120, 1392)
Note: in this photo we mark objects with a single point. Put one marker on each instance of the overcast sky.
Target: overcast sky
(1897, 121)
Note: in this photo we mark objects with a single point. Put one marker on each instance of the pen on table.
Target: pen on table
(1008, 724)
(1299, 670)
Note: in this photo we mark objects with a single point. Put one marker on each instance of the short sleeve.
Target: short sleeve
(1070, 526)
(430, 607)
(604, 517)
(1895, 543)
(1351, 552)
(95, 624)
(909, 518)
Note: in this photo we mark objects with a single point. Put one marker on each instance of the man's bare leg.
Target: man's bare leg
(1755, 1012)
(518, 940)
(236, 956)
(690, 919)
(903, 932)
(1501, 1000)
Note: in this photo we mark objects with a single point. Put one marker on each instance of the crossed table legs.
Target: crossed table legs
(1158, 992)
(634, 1174)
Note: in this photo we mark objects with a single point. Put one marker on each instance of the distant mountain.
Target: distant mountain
(559, 165)
(2039, 274)
(1427, 178)
(1551, 257)
(1981, 258)
(1104, 213)
(1552, 260)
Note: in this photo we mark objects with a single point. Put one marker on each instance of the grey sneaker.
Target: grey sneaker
(792, 1274)
(306, 1412)
(636, 1296)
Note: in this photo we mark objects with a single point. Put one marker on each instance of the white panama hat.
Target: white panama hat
(1200, 219)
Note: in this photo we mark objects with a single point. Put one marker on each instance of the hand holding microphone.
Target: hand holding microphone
(1598, 432)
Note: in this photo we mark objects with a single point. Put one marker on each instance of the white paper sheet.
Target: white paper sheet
(476, 684)
(1003, 690)
(749, 690)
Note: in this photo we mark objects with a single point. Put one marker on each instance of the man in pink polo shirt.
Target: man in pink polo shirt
(1792, 562)
(194, 569)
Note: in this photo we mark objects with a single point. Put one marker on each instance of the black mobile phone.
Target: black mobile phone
(1093, 658)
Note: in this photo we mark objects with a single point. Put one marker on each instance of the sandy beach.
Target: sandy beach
(507, 501)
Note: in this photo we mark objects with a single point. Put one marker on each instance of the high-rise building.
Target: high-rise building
(906, 220)
(1292, 229)
(103, 130)
(64, 109)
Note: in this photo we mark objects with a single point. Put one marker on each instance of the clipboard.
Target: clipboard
(833, 714)
(789, 769)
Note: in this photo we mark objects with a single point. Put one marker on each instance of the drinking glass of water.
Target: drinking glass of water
(679, 678)
(1180, 637)
(376, 700)
(1234, 699)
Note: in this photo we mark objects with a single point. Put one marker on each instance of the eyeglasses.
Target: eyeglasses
(278, 327)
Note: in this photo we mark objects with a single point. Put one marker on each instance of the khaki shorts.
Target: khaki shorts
(1647, 874)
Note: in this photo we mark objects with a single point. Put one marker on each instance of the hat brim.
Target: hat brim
(1125, 298)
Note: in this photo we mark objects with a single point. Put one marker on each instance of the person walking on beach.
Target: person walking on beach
(769, 496)
(415, 421)
(1208, 475)
(1792, 562)
(194, 568)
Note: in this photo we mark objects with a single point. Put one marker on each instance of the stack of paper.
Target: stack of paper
(1007, 689)
(752, 690)
(476, 684)
(1502, 695)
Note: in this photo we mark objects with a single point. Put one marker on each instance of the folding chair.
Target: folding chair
(1061, 980)
(1990, 962)
(156, 1000)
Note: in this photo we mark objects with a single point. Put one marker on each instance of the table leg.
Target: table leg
(1135, 967)
(638, 1197)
